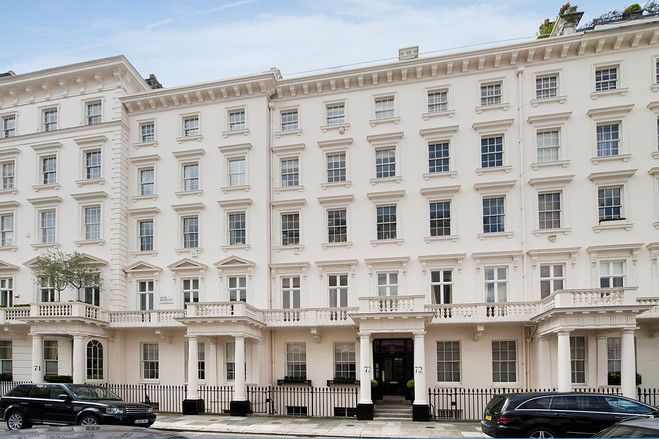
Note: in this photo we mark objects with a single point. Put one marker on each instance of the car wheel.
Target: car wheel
(17, 421)
(88, 420)
(541, 433)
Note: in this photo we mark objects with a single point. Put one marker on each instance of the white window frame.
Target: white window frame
(194, 293)
(228, 214)
(140, 183)
(42, 115)
(47, 359)
(138, 221)
(182, 219)
(331, 104)
(85, 111)
(281, 231)
(234, 158)
(610, 262)
(438, 90)
(83, 223)
(450, 361)
(286, 129)
(152, 293)
(338, 359)
(183, 165)
(238, 289)
(5, 117)
(576, 360)
(442, 283)
(143, 360)
(547, 75)
(562, 225)
(11, 242)
(506, 383)
(183, 134)
(140, 138)
(337, 289)
(496, 281)
(489, 83)
(388, 287)
(39, 225)
(7, 291)
(232, 110)
(6, 187)
(552, 278)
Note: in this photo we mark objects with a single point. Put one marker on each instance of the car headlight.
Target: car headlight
(149, 410)
(114, 411)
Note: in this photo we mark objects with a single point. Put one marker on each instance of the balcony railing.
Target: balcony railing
(152, 318)
(311, 317)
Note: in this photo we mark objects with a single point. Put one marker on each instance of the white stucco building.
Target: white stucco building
(480, 219)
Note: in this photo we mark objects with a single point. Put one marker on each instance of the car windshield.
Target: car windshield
(93, 393)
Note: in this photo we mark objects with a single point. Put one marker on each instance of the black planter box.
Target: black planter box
(290, 383)
(240, 408)
(193, 406)
(333, 383)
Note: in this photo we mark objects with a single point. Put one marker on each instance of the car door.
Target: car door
(594, 412)
(59, 408)
(39, 394)
(623, 408)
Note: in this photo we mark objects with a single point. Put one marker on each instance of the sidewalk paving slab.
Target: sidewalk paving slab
(316, 427)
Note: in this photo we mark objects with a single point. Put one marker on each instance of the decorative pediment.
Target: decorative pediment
(234, 263)
(186, 264)
(341, 264)
(141, 267)
(387, 263)
(430, 262)
(6, 266)
(93, 260)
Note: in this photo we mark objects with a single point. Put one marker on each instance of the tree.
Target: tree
(60, 270)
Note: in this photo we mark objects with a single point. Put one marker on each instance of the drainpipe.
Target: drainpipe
(522, 181)
(269, 224)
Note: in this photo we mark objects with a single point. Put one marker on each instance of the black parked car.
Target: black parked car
(637, 427)
(67, 404)
(547, 415)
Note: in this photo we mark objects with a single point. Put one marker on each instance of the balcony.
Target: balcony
(152, 318)
(313, 317)
(14, 315)
(391, 304)
(66, 311)
(223, 310)
(482, 313)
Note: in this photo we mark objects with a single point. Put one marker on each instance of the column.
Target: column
(37, 358)
(628, 363)
(563, 363)
(78, 359)
(240, 405)
(193, 368)
(211, 373)
(365, 404)
(602, 361)
(543, 369)
(420, 411)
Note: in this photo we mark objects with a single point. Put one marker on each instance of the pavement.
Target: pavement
(290, 426)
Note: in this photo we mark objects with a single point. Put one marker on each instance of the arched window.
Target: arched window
(94, 360)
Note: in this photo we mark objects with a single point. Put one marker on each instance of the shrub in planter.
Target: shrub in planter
(344, 380)
(410, 384)
(58, 379)
(6, 377)
(374, 383)
(409, 395)
(295, 380)
(613, 379)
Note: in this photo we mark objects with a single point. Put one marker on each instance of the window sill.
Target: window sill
(326, 245)
(346, 183)
(48, 245)
(654, 87)
(379, 242)
(613, 225)
(145, 253)
(8, 248)
(43, 187)
(494, 170)
(298, 188)
(181, 194)
(189, 138)
(9, 191)
(433, 175)
(294, 248)
(244, 187)
(85, 182)
(561, 163)
(617, 91)
(554, 100)
(447, 113)
(393, 120)
(655, 155)
(244, 131)
(82, 242)
(656, 224)
(611, 158)
(279, 134)
(145, 144)
(341, 128)
(559, 231)
(431, 239)
(481, 108)
(145, 197)
(495, 235)
(396, 179)
(236, 247)
(193, 251)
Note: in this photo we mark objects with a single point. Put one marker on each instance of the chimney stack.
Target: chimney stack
(407, 53)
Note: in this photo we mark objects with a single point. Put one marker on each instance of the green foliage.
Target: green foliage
(58, 378)
(374, 383)
(410, 384)
(545, 28)
(567, 8)
(634, 7)
(61, 270)
(295, 380)
(344, 380)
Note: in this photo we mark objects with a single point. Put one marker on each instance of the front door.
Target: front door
(392, 363)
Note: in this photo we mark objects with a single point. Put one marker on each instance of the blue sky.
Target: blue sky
(187, 41)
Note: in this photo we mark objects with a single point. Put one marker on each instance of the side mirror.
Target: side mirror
(64, 397)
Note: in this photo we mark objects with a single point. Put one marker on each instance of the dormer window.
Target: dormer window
(50, 119)
(606, 78)
(491, 94)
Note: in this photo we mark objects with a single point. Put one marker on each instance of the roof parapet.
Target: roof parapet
(407, 53)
